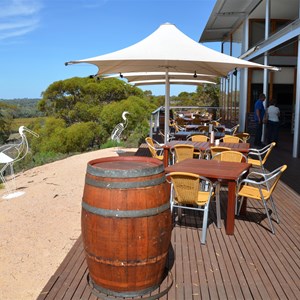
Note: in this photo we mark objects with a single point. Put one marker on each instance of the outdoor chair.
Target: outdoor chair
(182, 151)
(233, 130)
(193, 192)
(198, 138)
(258, 157)
(230, 156)
(155, 148)
(243, 135)
(231, 139)
(214, 150)
(261, 190)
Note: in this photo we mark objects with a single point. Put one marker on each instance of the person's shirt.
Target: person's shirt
(259, 106)
(273, 113)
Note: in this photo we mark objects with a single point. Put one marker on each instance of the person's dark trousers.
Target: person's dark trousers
(273, 131)
(258, 134)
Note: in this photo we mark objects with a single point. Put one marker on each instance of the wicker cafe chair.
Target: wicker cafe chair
(231, 156)
(155, 148)
(258, 157)
(261, 190)
(191, 191)
(233, 130)
(243, 135)
(231, 139)
(182, 151)
(213, 150)
(198, 138)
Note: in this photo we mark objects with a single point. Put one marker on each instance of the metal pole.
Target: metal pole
(266, 72)
(167, 107)
(297, 108)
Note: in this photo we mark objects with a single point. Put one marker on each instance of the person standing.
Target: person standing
(259, 113)
(273, 114)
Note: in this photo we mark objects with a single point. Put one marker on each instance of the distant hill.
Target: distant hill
(24, 107)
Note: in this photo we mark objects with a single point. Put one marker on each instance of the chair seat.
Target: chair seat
(160, 157)
(254, 162)
(202, 199)
(253, 192)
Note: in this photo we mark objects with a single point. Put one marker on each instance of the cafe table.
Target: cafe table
(227, 172)
(203, 146)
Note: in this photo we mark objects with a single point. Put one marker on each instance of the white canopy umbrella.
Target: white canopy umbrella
(168, 50)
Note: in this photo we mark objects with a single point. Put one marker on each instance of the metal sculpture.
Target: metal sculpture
(119, 128)
(10, 154)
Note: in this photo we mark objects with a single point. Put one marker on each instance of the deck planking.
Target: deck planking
(251, 264)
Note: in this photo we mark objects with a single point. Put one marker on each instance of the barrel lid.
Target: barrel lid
(117, 167)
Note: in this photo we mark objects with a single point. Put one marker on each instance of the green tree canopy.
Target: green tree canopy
(75, 99)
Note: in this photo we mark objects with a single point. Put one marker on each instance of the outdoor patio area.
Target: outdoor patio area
(251, 264)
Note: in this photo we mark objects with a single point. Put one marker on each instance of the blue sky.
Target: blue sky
(38, 36)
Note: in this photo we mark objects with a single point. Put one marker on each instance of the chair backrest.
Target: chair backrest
(234, 129)
(243, 135)
(262, 153)
(232, 156)
(203, 128)
(273, 178)
(231, 139)
(267, 153)
(198, 138)
(151, 147)
(183, 151)
(217, 149)
(187, 187)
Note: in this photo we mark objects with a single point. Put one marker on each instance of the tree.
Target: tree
(74, 100)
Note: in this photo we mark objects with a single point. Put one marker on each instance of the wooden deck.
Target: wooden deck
(252, 264)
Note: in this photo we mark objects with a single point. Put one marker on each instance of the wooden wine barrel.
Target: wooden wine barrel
(126, 224)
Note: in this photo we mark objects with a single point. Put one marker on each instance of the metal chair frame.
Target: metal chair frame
(193, 192)
(155, 148)
(261, 190)
(261, 154)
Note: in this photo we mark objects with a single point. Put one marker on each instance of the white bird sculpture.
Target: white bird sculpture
(116, 133)
(10, 154)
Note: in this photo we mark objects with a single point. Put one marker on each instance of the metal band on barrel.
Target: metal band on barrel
(124, 184)
(126, 213)
(133, 173)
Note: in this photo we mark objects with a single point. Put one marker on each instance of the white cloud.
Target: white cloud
(18, 17)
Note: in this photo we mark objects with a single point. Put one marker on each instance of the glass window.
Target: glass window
(257, 32)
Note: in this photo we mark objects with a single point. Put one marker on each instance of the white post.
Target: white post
(297, 108)
(266, 61)
(167, 107)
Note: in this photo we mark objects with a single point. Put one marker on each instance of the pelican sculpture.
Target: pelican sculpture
(119, 128)
(10, 154)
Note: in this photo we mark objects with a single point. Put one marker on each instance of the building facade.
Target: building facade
(266, 32)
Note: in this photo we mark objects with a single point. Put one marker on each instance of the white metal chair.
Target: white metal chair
(9, 155)
(194, 192)
(261, 190)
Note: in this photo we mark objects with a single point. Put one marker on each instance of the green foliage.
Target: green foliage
(80, 99)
